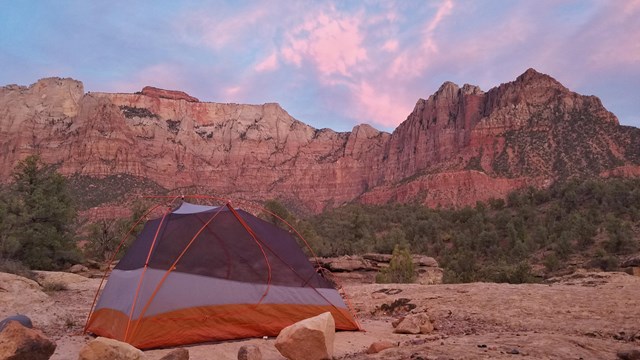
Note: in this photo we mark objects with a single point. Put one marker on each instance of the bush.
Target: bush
(400, 270)
(16, 268)
(52, 286)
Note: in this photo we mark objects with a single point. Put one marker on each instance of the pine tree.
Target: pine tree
(42, 215)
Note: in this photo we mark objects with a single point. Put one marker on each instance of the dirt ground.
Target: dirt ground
(582, 316)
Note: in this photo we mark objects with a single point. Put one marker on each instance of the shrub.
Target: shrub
(52, 286)
(400, 270)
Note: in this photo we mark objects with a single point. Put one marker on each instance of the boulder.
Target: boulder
(21, 343)
(423, 260)
(378, 346)
(108, 349)
(348, 263)
(385, 258)
(177, 354)
(632, 261)
(429, 275)
(629, 354)
(309, 339)
(249, 352)
(414, 324)
(78, 268)
(19, 295)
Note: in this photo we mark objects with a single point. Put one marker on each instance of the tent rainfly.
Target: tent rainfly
(202, 273)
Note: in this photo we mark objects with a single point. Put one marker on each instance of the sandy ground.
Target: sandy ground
(584, 316)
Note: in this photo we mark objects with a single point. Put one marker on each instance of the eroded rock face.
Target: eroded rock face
(458, 146)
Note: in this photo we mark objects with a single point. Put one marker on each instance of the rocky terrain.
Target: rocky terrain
(459, 145)
(584, 315)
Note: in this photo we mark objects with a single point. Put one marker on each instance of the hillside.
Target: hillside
(458, 146)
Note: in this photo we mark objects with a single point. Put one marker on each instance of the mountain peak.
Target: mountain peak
(534, 76)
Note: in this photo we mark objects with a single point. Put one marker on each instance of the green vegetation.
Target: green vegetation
(105, 235)
(53, 286)
(593, 221)
(37, 217)
(400, 270)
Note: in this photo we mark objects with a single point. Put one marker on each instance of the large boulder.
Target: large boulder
(21, 343)
(309, 339)
(108, 349)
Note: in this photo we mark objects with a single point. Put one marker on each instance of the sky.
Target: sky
(330, 64)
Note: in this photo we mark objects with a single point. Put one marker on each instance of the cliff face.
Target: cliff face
(458, 146)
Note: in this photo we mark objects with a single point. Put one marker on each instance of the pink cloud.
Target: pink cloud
(333, 43)
(270, 63)
(380, 103)
(414, 61)
(390, 45)
(217, 30)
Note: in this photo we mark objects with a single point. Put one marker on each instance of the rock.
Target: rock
(78, 268)
(249, 352)
(413, 324)
(21, 343)
(168, 94)
(385, 258)
(423, 260)
(453, 149)
(108, 349)
(177, 354)
(22, 319)
(632, 261)
(378, 346)
(348, 263)
(19, 295)
(633, 354)
(309, 339)
(426, 328)
(429, 276)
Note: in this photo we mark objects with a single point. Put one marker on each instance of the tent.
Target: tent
(202, 273)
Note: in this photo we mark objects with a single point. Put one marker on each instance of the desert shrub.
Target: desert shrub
(52, 286)
(17, 268)
(400, 270)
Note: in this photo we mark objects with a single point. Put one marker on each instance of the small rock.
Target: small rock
(378, 346)
(309, 339)
(426, 328)
(629, 354)
(77, 268)
(19, 342)
(513, 352)
(108, 349)
(249, 352)
(397, 321)
(412, 324)
(177, 354)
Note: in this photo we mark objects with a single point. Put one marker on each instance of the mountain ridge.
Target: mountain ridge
(459, 145)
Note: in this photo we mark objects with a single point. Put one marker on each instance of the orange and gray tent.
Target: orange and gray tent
(202, 273)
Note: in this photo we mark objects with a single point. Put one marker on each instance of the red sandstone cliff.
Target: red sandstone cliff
(458, 146)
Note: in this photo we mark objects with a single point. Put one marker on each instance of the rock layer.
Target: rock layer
(458, 146)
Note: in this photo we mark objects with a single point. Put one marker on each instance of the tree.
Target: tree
(39, 217)
(400, 270)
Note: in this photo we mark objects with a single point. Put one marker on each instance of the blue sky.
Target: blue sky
(330, 64)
